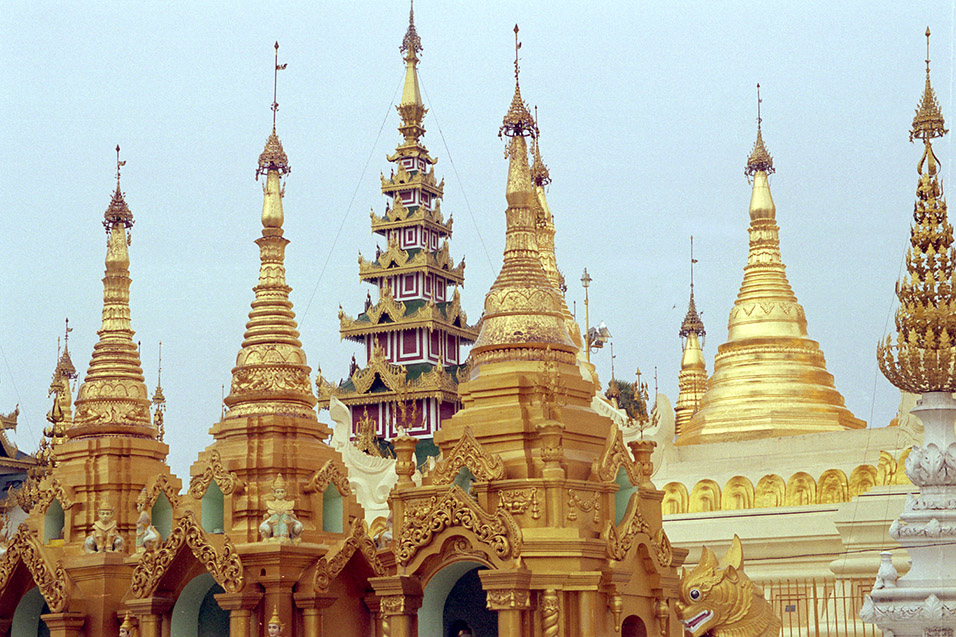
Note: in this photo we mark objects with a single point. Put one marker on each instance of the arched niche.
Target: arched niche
(26, 618)
(738, 494)
(832, 487)
(623, 496)
(162, 515)
(333, 510)
(196, 612)
(213, 507)
(801, 489)
(465, 607)
(675, 499)
(885, 469)
(704, 497)
(771, 491)
(431, 615)
(633, 626)
(53, 522)
(862, 479)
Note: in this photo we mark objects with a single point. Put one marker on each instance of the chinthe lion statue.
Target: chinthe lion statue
(718, 600)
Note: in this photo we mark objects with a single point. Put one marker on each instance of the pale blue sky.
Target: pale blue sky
(647, 114)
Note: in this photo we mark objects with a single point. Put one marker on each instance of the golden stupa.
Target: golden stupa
(770, 379)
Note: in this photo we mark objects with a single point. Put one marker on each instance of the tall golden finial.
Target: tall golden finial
(275, 86)
(759, 160)
(539, 172)
(158, 397)
(411, 43)
(118, 211)
(692, 322)
(518, 120)
(273, 157)
(923, 356)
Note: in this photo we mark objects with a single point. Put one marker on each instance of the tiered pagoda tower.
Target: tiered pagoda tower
(413, 333)
(770, 379)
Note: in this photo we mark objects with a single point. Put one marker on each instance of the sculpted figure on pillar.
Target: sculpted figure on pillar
(147, 537)
(280, 523)
(105, 535)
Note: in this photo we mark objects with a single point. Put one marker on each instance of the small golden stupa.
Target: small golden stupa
(770, 379)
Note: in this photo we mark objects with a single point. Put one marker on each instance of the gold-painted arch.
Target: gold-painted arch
(771, 492)
(676, 499)
(705, 497)
(738, 494)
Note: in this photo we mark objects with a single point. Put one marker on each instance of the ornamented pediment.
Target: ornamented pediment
(620, 539)
(331, 564)
(387, 305)
(468, 453)
(331, 473)
(225, 566)
(614, 457)
(228, 481)
(161, 484)
(51, 581)
(392, 375)
(40, 496)
(428, 516)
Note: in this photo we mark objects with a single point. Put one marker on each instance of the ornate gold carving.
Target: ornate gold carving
(160, 484)
(426, 517)
(358, 538)
(718, 598)
(576, 502)
(468, 452)
(662, 545)
(227, 481)
(330, 473)
(52, 582)
(225, 567)
(621, 539)
(392, 605)
(508, 599)
(614, 457)
(273, 157)
(615, 604)
(517, 501)
(550, 613)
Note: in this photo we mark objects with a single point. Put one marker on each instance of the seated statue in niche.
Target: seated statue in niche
(279, 523)
(105, 536)
(147, 537)
(274, 626)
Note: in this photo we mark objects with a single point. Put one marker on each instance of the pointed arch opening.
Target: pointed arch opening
(333, 510)
(213, 507)
(454, 596)
(196, 612)
(53, 522)
(26, 618)
(162, 516)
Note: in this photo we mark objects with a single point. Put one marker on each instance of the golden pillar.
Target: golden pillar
(240, 607)
(312, 607)
(508, 593)
(64, 624)
(149, 614)
(400, 598)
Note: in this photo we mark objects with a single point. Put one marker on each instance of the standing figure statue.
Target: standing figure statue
(105, 535)
(147, 537)
(275, 624)
(280, 523)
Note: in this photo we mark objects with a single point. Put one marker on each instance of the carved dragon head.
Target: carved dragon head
(717, 595)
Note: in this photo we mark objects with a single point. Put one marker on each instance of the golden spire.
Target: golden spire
(692, 324)
(158, 398)
(544, 220)
(64, 372)
(113, 399)
(769, 368)
(271, 375)
(411, 109)
(273, 157)
(923, 356)
(539, 172)
(759, 160)
(523, 317)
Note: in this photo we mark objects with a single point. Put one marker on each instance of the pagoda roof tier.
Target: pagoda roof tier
(403, 180)
(396, 261)
(383, 381)
(400, 216)
(412, 150)
(389, 315)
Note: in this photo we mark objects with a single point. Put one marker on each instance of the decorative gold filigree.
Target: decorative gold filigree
(468, 452)
(615, 456)
(225, 567)
(576, 502)
(517, 501)
(52, 582)
(161, 484)
(331, 473)
(620, 539)
(358, 538)
(428, 516)
(227, 481)
(550, 613)
(508, 599)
